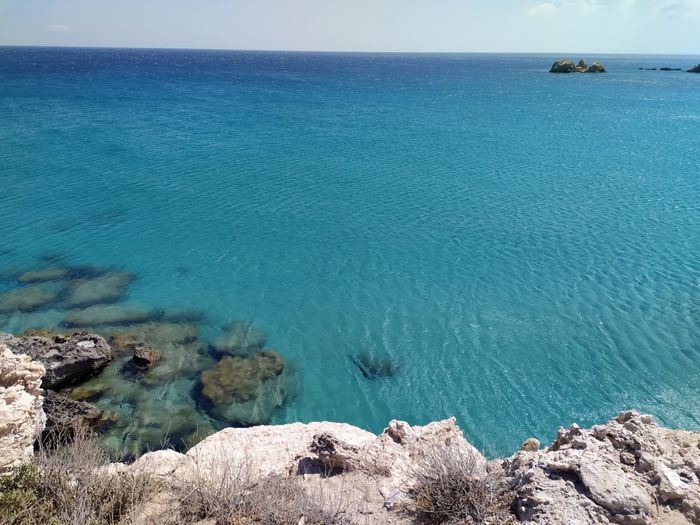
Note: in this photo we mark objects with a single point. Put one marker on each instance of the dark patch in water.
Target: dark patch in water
(108, 216)
(131, 372)
(373, 366)
(52, 257)
(182, 270)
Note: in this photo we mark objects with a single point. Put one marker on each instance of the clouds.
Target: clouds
(590, 26)
(546, 8)
(642, 7)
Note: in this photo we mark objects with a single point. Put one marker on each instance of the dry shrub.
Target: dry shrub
(225, 491)
(73, 485)
(453, 486)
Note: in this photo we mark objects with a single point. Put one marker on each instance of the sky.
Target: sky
(552, 26)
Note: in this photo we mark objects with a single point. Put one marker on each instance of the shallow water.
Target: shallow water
(521, 247)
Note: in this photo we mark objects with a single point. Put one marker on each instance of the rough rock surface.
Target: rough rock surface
(67, 359)
(695, 69)
(567, 66)
(21, 417)
(378, 467)
(629, 471)
(145, 356)
(563, 66)
(65, 416)
(595, 67)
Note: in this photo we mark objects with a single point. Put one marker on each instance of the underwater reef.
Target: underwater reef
(146, 378)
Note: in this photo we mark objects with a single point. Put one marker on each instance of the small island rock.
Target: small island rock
(596, 67)
(568, 66)
(563, 66)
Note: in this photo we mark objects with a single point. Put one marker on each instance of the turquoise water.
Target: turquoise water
(522, 246)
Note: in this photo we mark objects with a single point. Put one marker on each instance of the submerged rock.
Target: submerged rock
(28, 298)
(21, 417)
(155, 334)
(106, 288)
(236, 379)
(54, 273)
(246, 390)
(87, 393)
(375, 366)
(67, 360)
(145, 356)
(239, 339)
(113, 314)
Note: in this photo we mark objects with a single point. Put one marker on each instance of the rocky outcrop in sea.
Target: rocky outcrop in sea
(629, 471)
(567, 66)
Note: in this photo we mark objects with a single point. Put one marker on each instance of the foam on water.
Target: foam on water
(523, 247)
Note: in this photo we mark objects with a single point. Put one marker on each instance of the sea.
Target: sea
(417, 236)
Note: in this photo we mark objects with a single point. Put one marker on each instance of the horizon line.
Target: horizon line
(299, 51)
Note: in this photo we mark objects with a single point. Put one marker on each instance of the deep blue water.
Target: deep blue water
(523, 246)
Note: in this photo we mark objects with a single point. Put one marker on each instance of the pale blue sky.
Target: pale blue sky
(590, 26)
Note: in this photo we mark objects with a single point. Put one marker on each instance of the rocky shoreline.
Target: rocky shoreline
(627, 471)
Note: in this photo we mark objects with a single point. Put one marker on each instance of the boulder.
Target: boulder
(695, 69)
(563, 66)
(67, 359)
(65, 417)
(582, 67)
(595, 67)
(21, 418)
(629, 471)
(145, 356)
(530, 445)
(246, 390)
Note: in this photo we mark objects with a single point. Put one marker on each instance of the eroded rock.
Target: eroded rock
(629, 471)
(65, 417)
(21, 418)
(67, 359)
(567, 66)
(563, 66)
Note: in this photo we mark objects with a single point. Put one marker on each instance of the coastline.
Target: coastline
(627, 471)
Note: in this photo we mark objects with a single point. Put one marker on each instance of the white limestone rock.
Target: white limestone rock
(21, 416)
